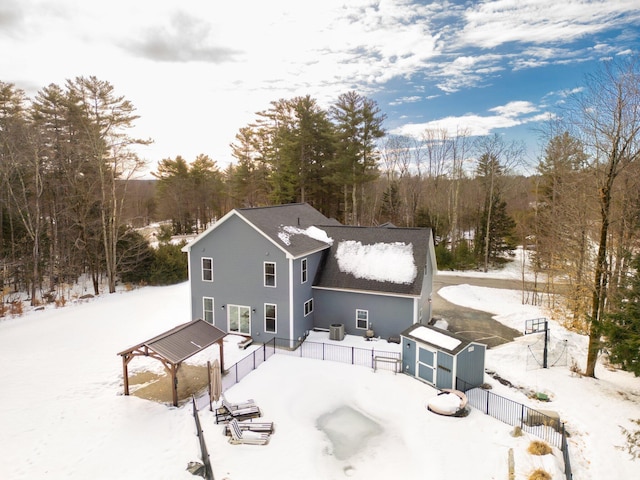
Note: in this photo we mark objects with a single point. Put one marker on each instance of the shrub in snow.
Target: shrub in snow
(538, 447)
(539, 474)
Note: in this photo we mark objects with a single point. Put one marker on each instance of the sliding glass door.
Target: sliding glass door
(239, 318)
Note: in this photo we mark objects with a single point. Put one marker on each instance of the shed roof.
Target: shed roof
(181, 342)
(437, 338)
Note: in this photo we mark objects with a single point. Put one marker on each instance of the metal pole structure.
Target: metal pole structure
(546, 341)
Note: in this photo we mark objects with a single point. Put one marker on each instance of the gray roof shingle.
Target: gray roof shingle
(272, 220)
(330, 275)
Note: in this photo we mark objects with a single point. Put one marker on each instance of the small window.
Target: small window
(308, 307)
(362, 319)
(269, 274)
(303, 270)
(270, 318)
(207, 269)
(207, 309)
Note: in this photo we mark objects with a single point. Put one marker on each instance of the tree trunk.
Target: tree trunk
(600, 278)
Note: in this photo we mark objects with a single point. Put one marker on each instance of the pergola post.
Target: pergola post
(221, 355)
(174, 383)
(125, 374)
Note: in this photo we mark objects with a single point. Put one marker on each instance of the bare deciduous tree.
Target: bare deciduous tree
(606, 115)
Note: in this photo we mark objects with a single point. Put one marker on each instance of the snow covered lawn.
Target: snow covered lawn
(63, 415)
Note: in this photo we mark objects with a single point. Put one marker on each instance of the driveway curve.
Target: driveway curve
(471, 324)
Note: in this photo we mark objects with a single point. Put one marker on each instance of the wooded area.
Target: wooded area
(71, 203)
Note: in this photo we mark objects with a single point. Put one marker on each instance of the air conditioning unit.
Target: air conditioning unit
(336, 331)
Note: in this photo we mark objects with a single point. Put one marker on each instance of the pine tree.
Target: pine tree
(621, 328)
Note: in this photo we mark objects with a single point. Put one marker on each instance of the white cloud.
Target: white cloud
(513, 109)
(493, 23)
(509, 115)
(403, 100)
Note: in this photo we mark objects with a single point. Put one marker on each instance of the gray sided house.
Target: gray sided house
(375, 278)
(281, 271)
(442, 358)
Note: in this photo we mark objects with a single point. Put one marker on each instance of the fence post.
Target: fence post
(323, 345)
(487, 409)
(522, 417)
(353, 356)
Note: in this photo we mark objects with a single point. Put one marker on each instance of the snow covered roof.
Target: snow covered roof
(438, 338)
(375, 259)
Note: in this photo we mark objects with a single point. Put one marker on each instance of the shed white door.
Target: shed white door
(426, 364)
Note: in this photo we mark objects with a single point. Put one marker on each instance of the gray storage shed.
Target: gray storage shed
(442, 358)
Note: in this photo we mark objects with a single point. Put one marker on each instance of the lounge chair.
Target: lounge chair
(251, 426)
(224, 414)
(230, 406)
(246, 437)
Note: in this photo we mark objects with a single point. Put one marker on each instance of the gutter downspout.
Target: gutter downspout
(291, 299)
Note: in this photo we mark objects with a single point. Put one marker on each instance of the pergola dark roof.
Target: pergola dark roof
(173, 347)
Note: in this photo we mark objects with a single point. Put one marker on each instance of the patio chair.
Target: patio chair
(246, 437)
(230, 406)
(223, 414)
(251, 426)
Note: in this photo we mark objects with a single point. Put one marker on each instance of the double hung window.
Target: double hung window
(362, 319)
(269, 274)
(207, 269)
(270, 318)
(303, 271)
(207, 309)
(308, 307)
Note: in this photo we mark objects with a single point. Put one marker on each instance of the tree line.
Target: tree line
(68, 203)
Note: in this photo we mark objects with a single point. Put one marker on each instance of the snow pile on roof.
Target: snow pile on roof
(316, 233)
(436, 338)
(383, 262)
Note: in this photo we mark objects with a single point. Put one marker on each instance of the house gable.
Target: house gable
(289, 227)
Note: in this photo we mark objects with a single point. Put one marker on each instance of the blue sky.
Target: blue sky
(198, 70)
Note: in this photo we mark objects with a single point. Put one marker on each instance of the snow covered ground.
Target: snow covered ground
(63, 415)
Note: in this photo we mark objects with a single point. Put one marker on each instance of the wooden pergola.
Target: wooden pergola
(173, 347)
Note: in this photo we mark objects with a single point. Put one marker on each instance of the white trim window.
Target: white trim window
(362, 319)
(269, 274)
(207, 310)
(270, 318)
(308, 307)
(303, 270)
(207, 269)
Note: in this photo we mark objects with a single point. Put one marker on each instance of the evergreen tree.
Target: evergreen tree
(358, 121)
(621, 328)
(169, 265)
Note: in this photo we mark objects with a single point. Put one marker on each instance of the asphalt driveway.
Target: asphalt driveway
(473, 324)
